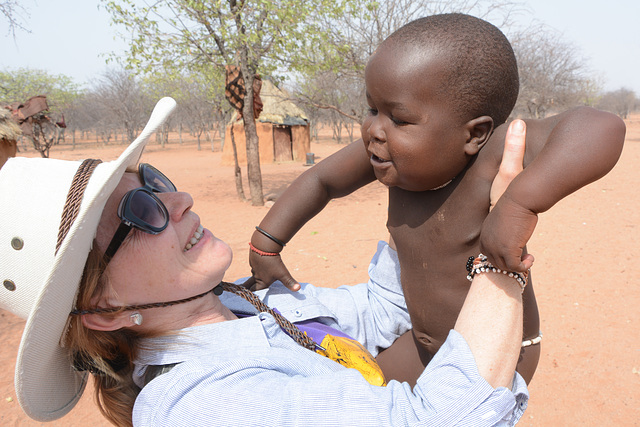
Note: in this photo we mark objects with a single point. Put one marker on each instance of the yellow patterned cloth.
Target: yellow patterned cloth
(352, 354)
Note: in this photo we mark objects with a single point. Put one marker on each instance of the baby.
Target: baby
(440, 90)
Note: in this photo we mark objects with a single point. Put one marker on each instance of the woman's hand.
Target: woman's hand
(508, 228)
(512, 159)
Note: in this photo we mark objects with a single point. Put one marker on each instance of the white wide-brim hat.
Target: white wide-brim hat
(40, 284)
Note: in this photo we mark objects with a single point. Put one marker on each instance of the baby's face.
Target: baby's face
(414, 139)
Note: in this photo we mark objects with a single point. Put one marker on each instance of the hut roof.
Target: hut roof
(9, 129)
(277, 107)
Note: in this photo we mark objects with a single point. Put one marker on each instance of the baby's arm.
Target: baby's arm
(338, 175)
(564, 153)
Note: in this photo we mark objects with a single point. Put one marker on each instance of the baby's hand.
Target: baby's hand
(505, 233)
(265, 270)
(508, 227)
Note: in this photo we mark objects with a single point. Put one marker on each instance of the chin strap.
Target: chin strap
(217, 290)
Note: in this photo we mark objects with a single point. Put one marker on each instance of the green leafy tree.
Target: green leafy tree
(259, 36)
(199, 92)
(18, 85)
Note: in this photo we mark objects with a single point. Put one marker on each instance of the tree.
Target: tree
(19, 85)
(116, 100)
(36, 124)
(199, 92)
(12, 12)
(255, 35)
(621, 102)
(22, 83)
(552, 74)
(200, 102)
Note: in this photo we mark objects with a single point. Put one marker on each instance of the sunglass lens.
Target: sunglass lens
(147, 209)
(156, 180)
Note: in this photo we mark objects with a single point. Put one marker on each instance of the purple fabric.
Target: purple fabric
(316, 330)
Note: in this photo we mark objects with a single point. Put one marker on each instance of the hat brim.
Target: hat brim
(47, 387)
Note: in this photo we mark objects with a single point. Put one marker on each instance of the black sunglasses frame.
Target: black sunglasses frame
(130, 220)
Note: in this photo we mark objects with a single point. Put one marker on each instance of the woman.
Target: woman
(116, 276)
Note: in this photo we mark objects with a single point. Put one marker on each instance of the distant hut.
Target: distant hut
(283, 130)
(9, 133)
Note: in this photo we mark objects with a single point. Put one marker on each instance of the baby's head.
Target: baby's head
(480, 73)
(436, 88)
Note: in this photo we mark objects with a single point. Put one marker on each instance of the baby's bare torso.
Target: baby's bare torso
(435, 232)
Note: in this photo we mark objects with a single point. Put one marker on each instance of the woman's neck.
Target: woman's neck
(206, 310)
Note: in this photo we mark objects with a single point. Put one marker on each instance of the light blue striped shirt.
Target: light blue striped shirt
(248, 372)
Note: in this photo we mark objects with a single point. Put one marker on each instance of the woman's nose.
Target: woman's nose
(177, 204)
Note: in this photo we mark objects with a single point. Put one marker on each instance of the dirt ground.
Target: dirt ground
(585, 277)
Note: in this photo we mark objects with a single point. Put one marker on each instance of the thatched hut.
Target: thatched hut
(9, 132)
(283, 130)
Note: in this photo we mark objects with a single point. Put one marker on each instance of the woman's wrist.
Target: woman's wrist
(480, 264)
(491, 322)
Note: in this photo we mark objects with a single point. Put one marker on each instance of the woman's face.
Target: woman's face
(157, 268)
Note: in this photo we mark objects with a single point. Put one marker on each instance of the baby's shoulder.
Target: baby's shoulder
(495, 143)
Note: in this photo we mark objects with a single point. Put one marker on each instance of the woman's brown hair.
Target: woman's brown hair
(108, 355)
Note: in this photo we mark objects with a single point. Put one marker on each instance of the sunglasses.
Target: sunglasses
(140, 208)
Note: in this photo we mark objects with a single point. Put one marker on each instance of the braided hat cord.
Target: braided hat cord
(74, 198)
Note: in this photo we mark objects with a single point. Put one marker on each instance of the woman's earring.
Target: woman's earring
(136, 318)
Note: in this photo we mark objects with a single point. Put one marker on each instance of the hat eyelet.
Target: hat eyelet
(9, 285)
(17, 243)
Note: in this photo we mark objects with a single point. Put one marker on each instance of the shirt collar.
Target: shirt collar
(197, 341)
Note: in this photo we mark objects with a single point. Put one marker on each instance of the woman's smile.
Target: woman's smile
(197, 235)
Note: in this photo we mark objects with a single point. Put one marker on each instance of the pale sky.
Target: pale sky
(71, 37)
(606, 32)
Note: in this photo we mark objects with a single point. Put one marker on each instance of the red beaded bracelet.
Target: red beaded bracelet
(261, 253)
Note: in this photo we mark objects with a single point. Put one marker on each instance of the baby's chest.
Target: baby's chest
(435, 236)
(424, 223)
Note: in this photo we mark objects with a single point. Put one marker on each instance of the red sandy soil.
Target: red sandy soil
(585, 277)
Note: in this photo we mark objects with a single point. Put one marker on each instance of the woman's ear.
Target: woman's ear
(108, 321)
(105, 322)
(479, 131)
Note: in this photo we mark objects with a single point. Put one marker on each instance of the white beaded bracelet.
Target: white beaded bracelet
(481, 264)
(532, 341)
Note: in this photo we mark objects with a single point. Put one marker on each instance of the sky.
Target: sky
(72, 37)
(606, 33)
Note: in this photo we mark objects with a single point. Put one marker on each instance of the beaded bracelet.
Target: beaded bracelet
(261, 253)
(532, 341)
(481, 264)
(275, 239)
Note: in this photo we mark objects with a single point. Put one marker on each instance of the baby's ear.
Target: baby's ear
(479, 130)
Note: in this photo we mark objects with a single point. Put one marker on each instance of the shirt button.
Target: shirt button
(298, 313)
